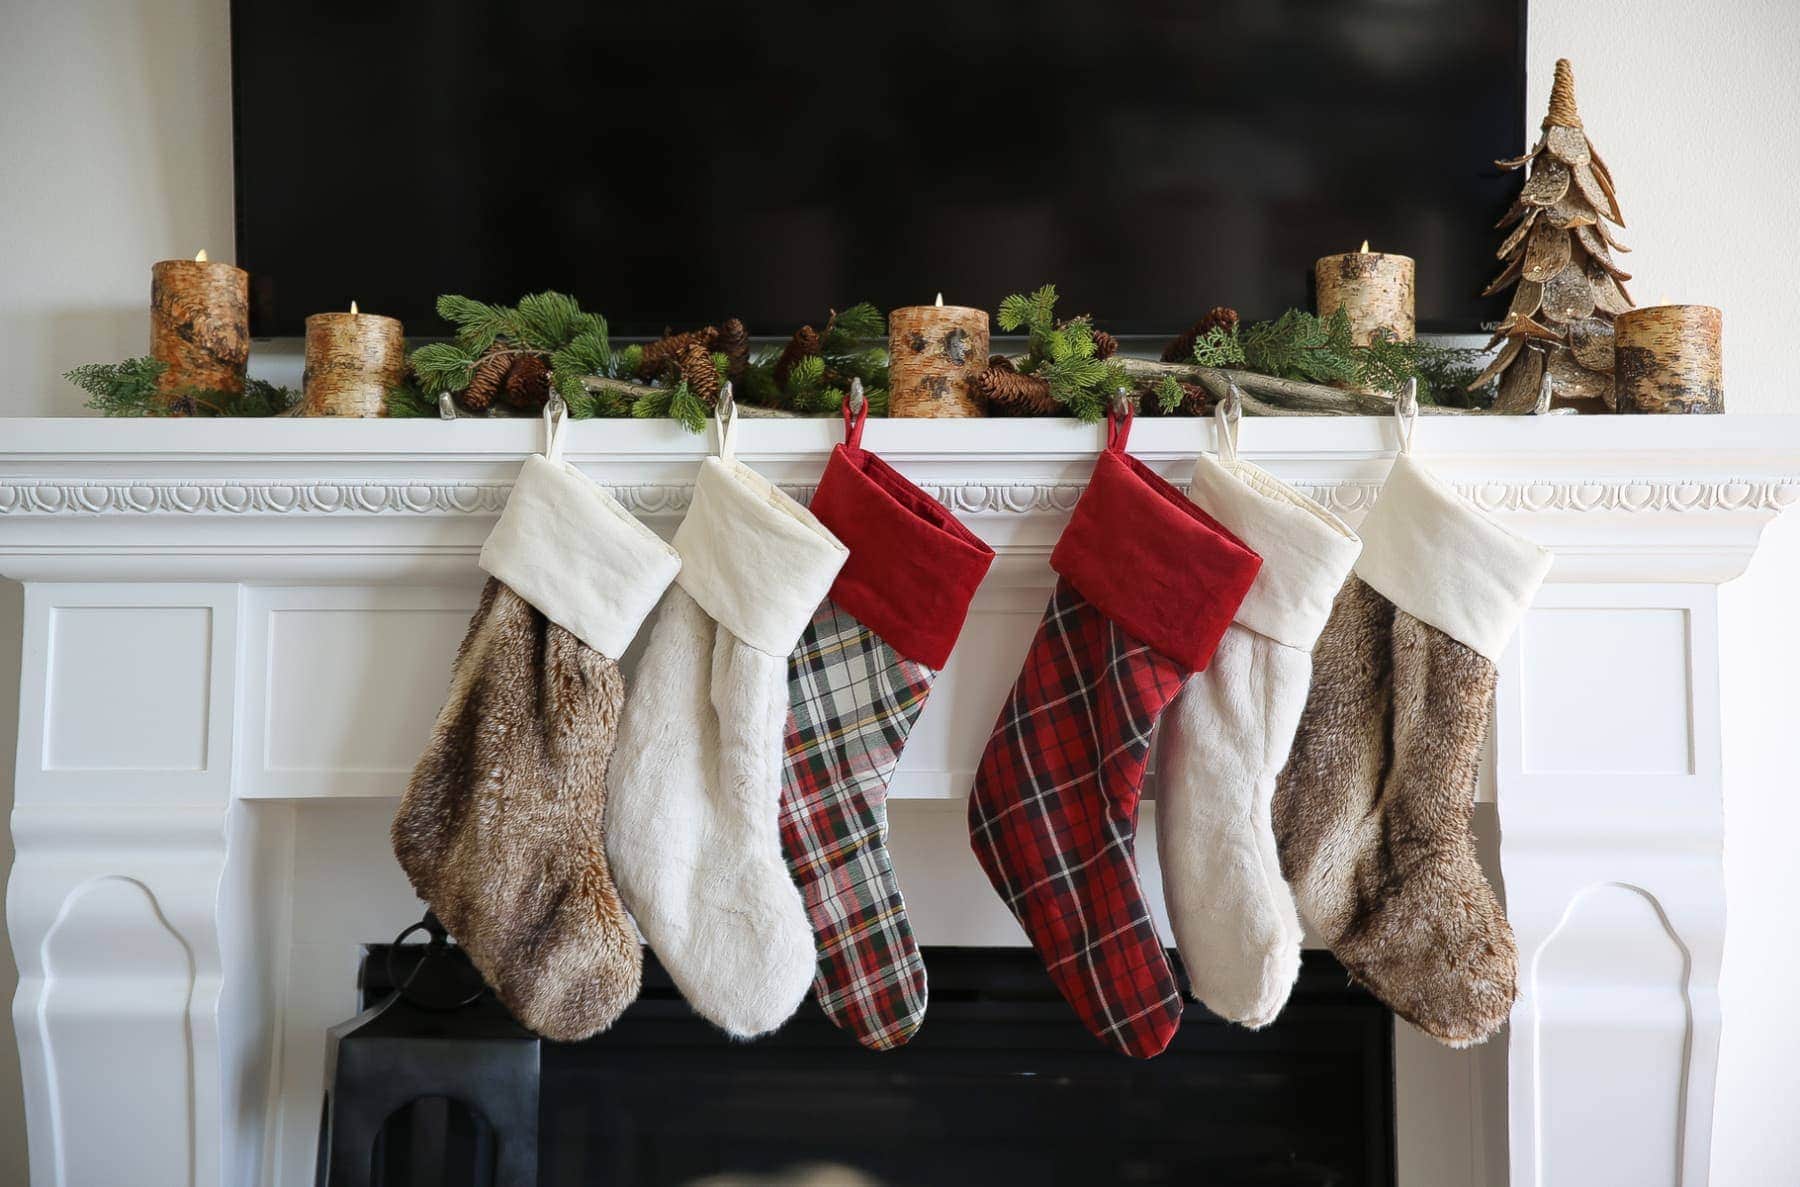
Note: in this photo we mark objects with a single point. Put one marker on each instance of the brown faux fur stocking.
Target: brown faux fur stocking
(500, 829)
(1372, 818)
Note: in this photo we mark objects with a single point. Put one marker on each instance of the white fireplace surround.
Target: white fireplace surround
(237, 633)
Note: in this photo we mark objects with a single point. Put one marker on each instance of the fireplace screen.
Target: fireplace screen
(1001, 1086)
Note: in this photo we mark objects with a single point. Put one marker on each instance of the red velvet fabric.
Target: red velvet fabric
(1153, 561)
(913, 567)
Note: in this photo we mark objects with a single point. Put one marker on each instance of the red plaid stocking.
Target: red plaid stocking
(1148, 584)
(857, 682)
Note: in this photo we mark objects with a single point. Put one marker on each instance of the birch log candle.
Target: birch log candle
(200, 324)
(1667, 358)
(1375, 288)
(352, 359)
(935, 351)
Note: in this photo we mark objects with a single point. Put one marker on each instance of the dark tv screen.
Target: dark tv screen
(676, 164)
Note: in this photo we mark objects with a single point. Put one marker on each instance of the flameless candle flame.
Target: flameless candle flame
(353, 307)
(940, 301)
(1364, 249)
(200, 256)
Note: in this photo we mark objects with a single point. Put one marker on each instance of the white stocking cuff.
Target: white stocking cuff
(757, 561)
(1436, 556)
(570, 549)
(1306, 550)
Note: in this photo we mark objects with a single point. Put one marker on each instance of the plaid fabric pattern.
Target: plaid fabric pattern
(1053, 818)
(853, 702)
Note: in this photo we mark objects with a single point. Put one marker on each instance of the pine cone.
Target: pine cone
(803, 344)
(489, 372)
(662, 354)
(1195, 400)
(1011, 394)
(1181, 350)
(527, 385)
(696, 366)
(734, 344)
(1105, 345)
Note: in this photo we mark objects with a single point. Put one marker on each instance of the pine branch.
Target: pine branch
(130, 389)
(477, 324)
(406, 401)
(444, 367)
(550, 321)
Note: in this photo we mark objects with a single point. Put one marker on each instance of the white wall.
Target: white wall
(115, 140)
(115, 133)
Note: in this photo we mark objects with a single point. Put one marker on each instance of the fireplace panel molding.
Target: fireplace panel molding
(236, 635)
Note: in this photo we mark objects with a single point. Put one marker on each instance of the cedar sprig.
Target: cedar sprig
(1169, 395)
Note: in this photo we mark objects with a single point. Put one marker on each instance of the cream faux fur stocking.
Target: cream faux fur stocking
(500, 827)
(693, 814)
(1227, 736)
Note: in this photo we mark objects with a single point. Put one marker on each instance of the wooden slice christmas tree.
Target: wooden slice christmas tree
(1558, 260)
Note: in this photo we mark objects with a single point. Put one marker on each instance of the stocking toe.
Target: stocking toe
(1439, 951)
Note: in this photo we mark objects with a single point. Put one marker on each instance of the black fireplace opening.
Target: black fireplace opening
(1002, 1085)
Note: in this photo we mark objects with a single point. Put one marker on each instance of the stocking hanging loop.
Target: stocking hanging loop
(1228, 412)
(1118, 421)
(556, 426)
(726, 415)
(856, 411)
(1406, 413)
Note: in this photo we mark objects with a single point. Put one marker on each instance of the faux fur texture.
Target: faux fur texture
(500, 827)
(1372, 818)
(1227, 736)
(1218, 751)
(693, 822)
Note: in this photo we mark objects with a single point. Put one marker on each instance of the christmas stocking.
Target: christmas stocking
(1227, 736)
(1147, 582)
(693, 816)
(1372, 810)
(499, 829)
(856, 684)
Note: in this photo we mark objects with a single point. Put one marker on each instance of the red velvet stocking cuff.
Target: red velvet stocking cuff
(1153, 561)
(912, 569)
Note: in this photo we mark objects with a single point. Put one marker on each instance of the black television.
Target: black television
(675, 164)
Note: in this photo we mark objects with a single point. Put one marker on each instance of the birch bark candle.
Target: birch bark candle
(1374, 287)
(200, 323)
(352, 359)
(1668, 358)
(935, 351)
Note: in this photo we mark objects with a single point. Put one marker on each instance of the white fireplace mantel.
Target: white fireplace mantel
(236, 634)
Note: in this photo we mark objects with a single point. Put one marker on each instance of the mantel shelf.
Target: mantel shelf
(1618, 498)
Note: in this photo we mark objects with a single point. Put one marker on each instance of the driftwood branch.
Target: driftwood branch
(1265, 395)
(601, 385)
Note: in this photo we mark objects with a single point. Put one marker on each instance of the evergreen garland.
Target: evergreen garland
(129, 389)
(1065, 354)
(1298, 345)
(853, 345)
